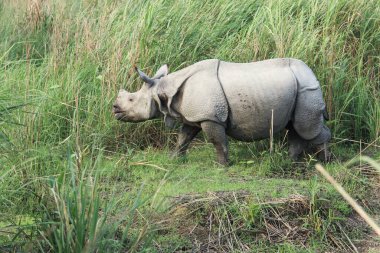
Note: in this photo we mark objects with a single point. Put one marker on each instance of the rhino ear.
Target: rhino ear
(161, 72)
(149, 81)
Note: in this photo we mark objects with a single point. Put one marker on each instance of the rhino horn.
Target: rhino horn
(145, 78)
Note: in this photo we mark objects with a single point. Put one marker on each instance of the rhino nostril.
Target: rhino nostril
(116, 108)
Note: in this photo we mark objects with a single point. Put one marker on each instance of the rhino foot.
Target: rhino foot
(297, 145)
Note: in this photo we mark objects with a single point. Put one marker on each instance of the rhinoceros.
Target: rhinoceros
(245, 101)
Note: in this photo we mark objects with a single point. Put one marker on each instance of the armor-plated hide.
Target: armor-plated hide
(243, 100)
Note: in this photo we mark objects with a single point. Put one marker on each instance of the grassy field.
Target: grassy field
(73, 179)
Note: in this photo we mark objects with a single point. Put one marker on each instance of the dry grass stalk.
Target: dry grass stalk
(349, 199)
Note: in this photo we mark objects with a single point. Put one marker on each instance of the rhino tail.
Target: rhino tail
(326, 114)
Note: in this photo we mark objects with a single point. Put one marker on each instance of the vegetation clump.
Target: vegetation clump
(73, 179)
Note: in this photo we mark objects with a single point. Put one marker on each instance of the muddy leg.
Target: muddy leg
(216, 134)
(296, 144)
(185, 136)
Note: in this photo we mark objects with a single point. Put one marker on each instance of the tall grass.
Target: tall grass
(71, 216)
(84, 51)
(64, 61)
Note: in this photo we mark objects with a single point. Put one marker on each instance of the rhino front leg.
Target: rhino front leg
(216, 134)
(186, 135)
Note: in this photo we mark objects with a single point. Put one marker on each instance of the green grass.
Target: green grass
(61, 66)
(143, 187)
(167, 182)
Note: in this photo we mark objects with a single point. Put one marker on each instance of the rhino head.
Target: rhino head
(139, 106)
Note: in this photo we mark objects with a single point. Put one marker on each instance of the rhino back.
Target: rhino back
(253, 90)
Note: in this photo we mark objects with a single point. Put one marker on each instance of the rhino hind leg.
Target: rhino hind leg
(309, 108)
(320, 144)
(296, 144)
(323, 137)
(310, 111)
(186, 135)
(317, 146)
(216, 134)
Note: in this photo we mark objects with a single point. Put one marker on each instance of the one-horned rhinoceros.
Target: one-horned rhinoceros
(242, 100)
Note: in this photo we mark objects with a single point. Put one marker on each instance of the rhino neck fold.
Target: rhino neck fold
(193, 94)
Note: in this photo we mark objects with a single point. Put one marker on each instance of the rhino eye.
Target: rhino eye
(131, 99)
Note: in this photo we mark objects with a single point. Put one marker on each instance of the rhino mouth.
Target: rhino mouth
(119, 115)
(122, 117)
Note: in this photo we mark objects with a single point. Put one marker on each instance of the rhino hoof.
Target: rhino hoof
(224, 163)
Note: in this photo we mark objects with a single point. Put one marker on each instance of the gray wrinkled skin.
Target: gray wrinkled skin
(234, 99)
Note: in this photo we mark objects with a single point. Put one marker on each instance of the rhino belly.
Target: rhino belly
(255, 92)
